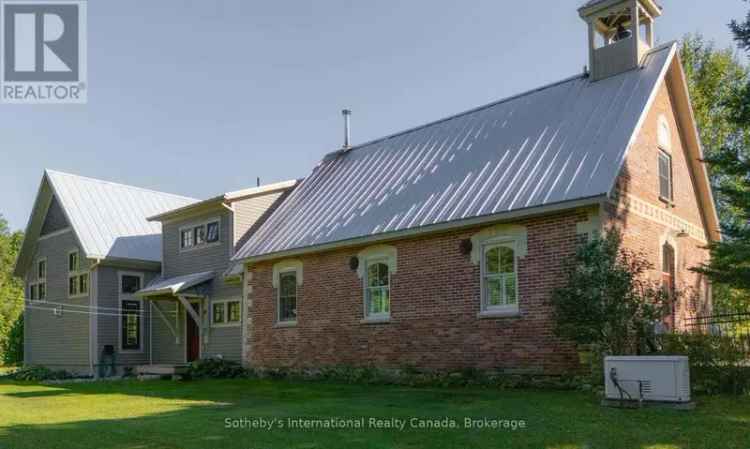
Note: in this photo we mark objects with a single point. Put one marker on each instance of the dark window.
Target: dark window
(288, 296)
(665, 176)
(131, 325)
(42, 290)
(200, 235)
(42, 269)
(83, 283)
(218, 313)
(73, 263)
(668, 277)
(32, 292)
(212, 232)
(73, 286)
(130, 284)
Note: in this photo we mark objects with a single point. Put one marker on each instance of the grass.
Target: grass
(166, 414)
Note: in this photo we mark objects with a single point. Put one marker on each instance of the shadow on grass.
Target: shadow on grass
(164, 414)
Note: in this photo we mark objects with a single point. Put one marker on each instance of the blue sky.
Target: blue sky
(200, 97)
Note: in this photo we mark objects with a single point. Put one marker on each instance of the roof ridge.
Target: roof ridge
(118, 184)
(460, 114)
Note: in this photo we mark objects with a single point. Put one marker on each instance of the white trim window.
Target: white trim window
(38, 289)
(665, 176)
(377, 284)
(226, 313)
(287, 296)
(78, 279)
(131, 312)
(200, 235)
(499, 277)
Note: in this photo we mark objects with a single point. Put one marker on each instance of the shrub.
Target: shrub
(39, 373)
(621, 303)
(718, 364)
(215, 369)
(13, 351)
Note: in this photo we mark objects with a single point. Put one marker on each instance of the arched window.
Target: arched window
(377, 289)
(664, 134)
(499, 280)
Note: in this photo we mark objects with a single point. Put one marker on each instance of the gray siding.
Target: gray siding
(166, 349)
(50, 340)
(225, 341)
(55, 219)
(108, 327)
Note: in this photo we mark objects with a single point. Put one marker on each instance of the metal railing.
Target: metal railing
(726, 324)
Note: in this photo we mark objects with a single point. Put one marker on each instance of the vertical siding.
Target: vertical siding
(57, 341)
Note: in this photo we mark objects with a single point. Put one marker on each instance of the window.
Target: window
(186, 238)
(131, 311)
(129, 284)
(131, 325)
(225, 313)
(499, 277)
(33, 292)
(288, 296)
(41, 269)
(377, 289)
(212, 233)
(665, 176)
(668, 276)
(78, 279)
(199, 235)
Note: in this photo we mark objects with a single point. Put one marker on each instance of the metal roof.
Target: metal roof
(171, 286)
(110, 219)
(558, 143)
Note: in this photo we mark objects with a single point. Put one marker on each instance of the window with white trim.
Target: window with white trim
(225, 313)
(377, 288)
(499, 276)
(665, 176)
(38, 290)
(199, 235)
(78, 279)
(287, 296)
(131, 310)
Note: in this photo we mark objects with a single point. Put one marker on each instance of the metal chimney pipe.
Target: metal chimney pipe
(347, 131)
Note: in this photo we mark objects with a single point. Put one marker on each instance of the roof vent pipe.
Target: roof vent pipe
(347, 131)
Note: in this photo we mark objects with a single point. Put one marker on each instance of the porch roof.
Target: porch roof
(174, 285)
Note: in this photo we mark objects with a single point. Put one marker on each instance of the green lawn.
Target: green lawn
(166, 414)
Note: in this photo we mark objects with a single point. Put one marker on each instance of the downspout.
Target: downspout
(151, 333)
(94, 317)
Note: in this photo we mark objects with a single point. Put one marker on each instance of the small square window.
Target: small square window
(130, 284)
(212, 232)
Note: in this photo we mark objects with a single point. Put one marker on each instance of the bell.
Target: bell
(622, 33)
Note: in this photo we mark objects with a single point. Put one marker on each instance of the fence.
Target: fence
(728, 324)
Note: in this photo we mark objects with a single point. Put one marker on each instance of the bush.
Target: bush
(13, 351)
(38, 374)
(718, 364)
(215, 369)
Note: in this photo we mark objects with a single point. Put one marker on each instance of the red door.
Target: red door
(193, 339)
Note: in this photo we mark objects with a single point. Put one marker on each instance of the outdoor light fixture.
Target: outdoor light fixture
(466, 246)
(354, 263)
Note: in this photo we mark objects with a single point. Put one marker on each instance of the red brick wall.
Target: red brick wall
(640, 178)
(435, 299)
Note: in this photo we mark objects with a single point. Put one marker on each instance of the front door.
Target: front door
(193, 337)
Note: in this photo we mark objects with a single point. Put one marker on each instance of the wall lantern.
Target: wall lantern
(354, 263)
(466, 246)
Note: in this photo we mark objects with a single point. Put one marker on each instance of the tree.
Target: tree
(11, 294)
(730, 259)
(608, 299)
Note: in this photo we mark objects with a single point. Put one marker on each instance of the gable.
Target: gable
(55, 219)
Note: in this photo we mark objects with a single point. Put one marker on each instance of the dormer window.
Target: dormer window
(200, 235)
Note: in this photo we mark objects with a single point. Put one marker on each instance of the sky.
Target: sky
(200, 97)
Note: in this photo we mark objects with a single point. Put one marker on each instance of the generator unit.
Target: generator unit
(647, 378)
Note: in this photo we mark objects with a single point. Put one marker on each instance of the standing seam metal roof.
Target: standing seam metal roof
(110, 219)
(559, 143)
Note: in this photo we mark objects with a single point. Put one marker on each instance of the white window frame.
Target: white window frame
(504, 309)
(129, 297)
(278, 295)
(662, 151)
(39, 280)
(225, 304)
(77, 274)
(38, 262)
(192, 227)
(366, 288)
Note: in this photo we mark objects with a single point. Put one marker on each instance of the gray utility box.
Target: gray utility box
(647, 378)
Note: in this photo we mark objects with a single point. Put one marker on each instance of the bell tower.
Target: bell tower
(621, 32)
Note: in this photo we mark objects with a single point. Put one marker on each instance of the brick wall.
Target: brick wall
(435, 299)
(639, 178)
